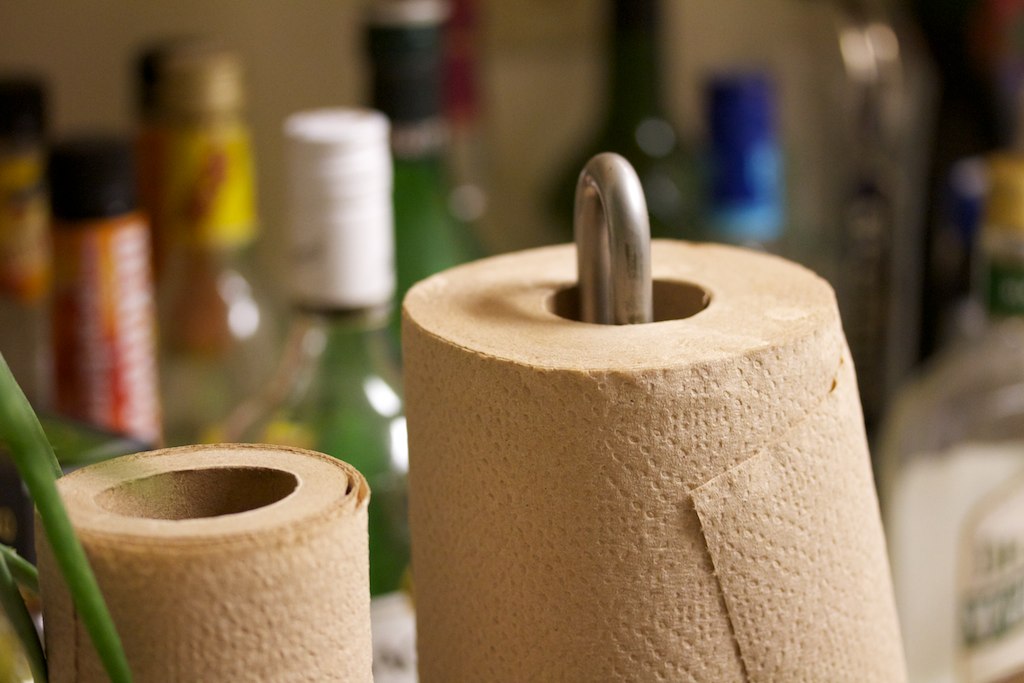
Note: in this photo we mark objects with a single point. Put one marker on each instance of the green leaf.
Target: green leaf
(32, 455)
(23, 571)
(17, 614)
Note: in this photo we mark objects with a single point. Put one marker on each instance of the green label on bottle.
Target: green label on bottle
(991, 587)
(1005, 295)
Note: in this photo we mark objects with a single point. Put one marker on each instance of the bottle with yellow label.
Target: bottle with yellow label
(216, 323)
(25, 260)
(337, 389)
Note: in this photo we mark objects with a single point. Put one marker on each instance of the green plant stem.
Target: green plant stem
(32, 455)
(24, 572)
(17, 614)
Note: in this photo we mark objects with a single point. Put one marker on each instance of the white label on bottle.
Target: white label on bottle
(393, 623)
(926, 515)
(992, 587)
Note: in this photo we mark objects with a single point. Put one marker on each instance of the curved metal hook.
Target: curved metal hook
(613, 243)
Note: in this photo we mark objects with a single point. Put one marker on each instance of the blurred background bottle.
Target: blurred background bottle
(956, 436)
(636, 126)
(149, 140)
(103, 310)
(745, 186)
(881, 228)
(467, 157)
(856, 96)
(337, 389)
(217, 323)
(405, 46)
(25, 259)
(954, 246)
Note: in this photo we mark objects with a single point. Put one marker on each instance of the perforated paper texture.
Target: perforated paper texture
(687, 500)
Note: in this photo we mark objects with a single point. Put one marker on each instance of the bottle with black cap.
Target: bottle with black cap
(405, 45)
(103, 312)
(636, 124)
(25, 267)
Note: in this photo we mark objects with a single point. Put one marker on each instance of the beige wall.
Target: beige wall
(541, 67)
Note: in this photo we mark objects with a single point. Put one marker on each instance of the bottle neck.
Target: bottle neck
(634, 74)
(407, 76)
(208, 192)
(418, 140)
(351, 338)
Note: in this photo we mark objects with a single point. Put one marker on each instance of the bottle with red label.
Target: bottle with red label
(103, 308)
(25, 268)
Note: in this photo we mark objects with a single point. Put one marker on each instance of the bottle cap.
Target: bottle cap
(636, 14)
(966, 187)
(148, 65)
(1004, 208)
(404, 43)
(407, 13)
(22, 109)
(92, 177)
(741, 109)
(197, 80)
(340, 208)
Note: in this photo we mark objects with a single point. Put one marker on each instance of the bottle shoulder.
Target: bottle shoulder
(668, 170)
(215, 302)
(973, 392)
(333, 391)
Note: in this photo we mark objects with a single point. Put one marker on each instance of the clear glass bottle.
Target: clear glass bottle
(953, 439)
(25, 258)
(875, 198)
(217, 323)
(337, 390)
(405, 44)
(637, 126)
(855, 104)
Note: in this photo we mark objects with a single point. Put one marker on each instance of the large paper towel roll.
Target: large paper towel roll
(219, 563)
(687, 500)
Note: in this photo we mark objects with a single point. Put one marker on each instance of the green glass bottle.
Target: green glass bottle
(637, 126)
(337, 392)
(337, 388)
(405, 47)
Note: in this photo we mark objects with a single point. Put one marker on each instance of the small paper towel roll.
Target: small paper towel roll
(687, 500)
(219, 563)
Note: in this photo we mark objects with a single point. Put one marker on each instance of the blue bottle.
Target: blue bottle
(745, 172)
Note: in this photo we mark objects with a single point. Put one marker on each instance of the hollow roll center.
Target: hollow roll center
(198, 493)
(672, 300)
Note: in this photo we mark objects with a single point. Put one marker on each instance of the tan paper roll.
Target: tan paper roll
(687, 500)
(219, 563)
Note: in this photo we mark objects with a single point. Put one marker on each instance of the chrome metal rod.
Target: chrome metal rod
(613, 243)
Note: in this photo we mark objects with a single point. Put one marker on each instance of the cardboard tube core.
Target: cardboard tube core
(198, 493)
(673, 300)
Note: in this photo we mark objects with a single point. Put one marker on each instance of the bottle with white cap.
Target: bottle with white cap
(337, 388)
